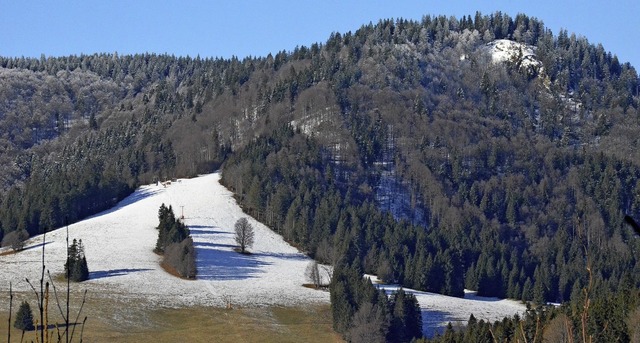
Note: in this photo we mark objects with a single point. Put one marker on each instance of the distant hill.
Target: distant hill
(404, 145)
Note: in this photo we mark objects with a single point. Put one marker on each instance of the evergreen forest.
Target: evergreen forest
(400, 149)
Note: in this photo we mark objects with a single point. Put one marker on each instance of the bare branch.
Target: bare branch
(55, 294)
(84, 299)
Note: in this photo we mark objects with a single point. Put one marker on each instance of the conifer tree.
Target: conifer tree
(406, 322)
(24, 318)
(76, 267)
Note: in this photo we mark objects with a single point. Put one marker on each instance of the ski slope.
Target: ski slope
(119, 247)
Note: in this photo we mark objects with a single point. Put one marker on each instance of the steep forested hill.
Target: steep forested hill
(405, 146)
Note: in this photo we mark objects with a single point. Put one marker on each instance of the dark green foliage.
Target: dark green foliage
(76, 268)
(363, 313)
(24, 318)
(406, 324)
(170, 229)
(310, 212)
(344, 301)
(608, 319)
(501, 179)
(175, 244)
(486, 208)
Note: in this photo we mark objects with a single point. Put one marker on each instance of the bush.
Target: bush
(182, 257)
(15, 239)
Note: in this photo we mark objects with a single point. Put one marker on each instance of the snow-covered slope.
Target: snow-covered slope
(438, 310)
(119, 248)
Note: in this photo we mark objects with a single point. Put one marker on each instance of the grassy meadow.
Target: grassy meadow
(111, 320)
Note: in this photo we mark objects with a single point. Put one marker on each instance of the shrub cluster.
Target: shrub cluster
(175, 244)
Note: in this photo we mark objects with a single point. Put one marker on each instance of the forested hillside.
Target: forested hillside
(403, 148)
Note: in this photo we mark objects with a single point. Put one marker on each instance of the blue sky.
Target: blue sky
(256, 28)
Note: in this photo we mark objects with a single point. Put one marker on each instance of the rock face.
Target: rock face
(508, 51)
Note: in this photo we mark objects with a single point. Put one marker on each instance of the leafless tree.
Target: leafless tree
(15, 239)
(244, 234)
(370, 324)
(313, 274)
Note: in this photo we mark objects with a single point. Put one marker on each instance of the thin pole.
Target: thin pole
(10, 309)
(66, 331)
(41, 304)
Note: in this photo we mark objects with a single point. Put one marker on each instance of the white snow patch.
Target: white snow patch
(119, 247)
(438, 310)
(504, 50)
(311, 121)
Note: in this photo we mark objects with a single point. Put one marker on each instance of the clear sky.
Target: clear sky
(256, 28)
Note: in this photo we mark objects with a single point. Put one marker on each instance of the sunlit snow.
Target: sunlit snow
(438, 310)
(119, 248)
(504, 50)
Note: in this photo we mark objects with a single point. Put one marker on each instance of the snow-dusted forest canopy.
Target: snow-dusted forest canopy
(482, 152)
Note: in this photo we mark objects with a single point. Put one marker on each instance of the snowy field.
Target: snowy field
(119, 249)
(439, 310)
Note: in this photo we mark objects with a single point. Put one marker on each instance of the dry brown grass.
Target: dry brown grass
(174, 272)
(8, 252)
(131, 321)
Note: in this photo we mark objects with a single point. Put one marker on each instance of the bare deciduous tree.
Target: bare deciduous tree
(244, 234)
(313, 274)
(370, 324)
(15, 239)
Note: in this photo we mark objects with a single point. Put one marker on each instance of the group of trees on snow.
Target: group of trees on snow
(175, 244)
(511, 182)
(76, 268)
(362, 313)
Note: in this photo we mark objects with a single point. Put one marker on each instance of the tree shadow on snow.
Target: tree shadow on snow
(283, 256)
(101, 274)
(195, 231)
(435, 322)
(208, 245)
(218, 265)
(202, 227)
(138, 195)
(475, 297)
(35, 246)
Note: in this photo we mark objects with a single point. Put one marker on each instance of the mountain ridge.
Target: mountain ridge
(510, 179)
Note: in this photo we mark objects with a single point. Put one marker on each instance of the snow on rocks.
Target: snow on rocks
(504, 50)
